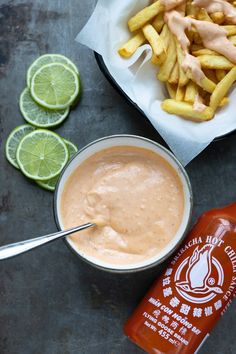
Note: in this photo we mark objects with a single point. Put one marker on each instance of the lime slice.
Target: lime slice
(78, 97)
(48, 59)
(55, 86)
(39, 116)
(13, 141)
(51, 183)
(72, 149)
(42, 154)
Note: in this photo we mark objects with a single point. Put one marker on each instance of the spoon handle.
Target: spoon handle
(17, 248)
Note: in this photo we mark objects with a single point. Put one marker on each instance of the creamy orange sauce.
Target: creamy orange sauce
(198, 105)
(192, 63)
(212, 6)
(171, 4)
(213, 36)
(138, 196)
(178, 24)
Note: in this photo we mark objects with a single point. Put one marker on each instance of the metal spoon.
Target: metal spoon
(14, 249)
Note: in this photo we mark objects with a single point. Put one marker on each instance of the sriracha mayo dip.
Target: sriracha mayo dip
(138, 199)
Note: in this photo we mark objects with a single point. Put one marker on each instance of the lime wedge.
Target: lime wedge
(50, 184)
(13, 141)
(42, 154)
(37, 115)
(48, 59)
(55, 86)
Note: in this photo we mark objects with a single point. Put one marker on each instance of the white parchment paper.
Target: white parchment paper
(104, 33)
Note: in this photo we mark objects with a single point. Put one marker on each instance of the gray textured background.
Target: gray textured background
(51, 302)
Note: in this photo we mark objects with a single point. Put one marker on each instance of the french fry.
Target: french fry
(224, 102)
(155, 41)
(191, 10)
(231, 29)
(202, 15)
(220, 74)
(232, 39)
(142, 17)
(191, 92)
(222, 89)
(158, 22)
(186, 110)
(128, 49)
(167, 66)
(183, 78)
(180, 93)
(155, 60)
(171, 90)
(204, 51)
(165, 37)
(205, 83)
(218, 17)
(215, 62)
(174, 76)
(181, 73)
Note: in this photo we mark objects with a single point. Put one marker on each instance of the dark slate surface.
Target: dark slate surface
(51, 302)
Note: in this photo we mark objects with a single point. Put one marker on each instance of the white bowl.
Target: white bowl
(136, 141)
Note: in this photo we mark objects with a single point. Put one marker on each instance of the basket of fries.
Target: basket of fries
(175, 60)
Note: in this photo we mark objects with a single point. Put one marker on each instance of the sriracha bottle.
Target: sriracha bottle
(179, 311)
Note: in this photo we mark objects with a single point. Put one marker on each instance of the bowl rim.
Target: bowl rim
(189, 216)
(104, 69)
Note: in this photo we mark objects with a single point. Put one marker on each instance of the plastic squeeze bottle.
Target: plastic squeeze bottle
(197, 287)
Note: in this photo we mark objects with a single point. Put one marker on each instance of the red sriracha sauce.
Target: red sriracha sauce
(182, 307)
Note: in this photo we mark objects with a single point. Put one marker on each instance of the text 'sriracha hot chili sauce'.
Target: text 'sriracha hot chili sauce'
(199, 284)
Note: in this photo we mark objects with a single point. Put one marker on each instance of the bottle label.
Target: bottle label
(189, 297)
(200, 276)
(199, 279)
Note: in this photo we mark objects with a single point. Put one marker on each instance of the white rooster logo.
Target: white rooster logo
(198, 273)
